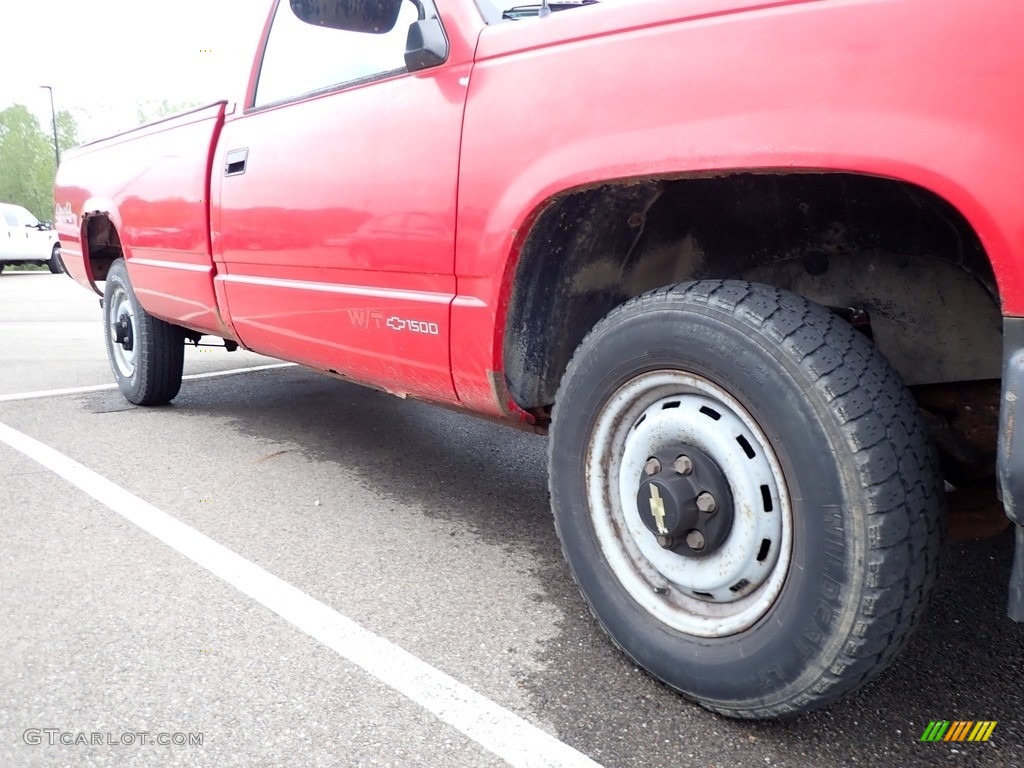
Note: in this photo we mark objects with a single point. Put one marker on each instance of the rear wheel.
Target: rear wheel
(745, 494)
(146, 354)
(55, 264)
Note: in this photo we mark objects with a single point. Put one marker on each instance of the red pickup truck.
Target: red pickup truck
(757, 266)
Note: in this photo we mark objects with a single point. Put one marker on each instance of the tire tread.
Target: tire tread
(896, 462)
(161, 353)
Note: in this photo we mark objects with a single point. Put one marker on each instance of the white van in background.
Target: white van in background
(24, 240)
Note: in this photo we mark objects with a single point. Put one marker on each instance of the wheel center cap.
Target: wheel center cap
(684, 500)
(122, 332)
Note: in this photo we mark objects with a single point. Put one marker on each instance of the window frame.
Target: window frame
(251, 106)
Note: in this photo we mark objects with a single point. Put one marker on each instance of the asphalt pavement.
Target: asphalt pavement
(297, 571)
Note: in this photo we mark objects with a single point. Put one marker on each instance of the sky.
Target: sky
(105, 57)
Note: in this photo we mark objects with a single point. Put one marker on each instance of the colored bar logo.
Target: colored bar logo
(959, 730)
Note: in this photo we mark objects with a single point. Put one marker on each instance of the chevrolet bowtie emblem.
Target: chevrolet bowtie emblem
(658, 509)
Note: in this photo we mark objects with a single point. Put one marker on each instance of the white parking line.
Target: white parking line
(490, 725)
(102, 387)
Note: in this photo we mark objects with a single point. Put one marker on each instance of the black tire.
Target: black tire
(860, 474)
(55, 264)
(148, 365)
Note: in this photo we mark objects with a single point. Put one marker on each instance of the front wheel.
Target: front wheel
(146, 354)
(745, 494)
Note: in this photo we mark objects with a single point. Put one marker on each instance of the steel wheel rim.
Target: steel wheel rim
(118, 305)
(631, 425)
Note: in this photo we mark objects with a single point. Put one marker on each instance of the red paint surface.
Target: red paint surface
(406, 196)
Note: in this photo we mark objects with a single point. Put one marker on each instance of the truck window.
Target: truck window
(301, 58)
(10, 218)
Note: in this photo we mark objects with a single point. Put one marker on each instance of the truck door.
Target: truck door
(38, 242)
(19, 241)
(9, 245)
(336, 209)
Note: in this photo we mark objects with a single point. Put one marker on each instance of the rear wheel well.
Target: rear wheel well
(893, 249)
(102, 244)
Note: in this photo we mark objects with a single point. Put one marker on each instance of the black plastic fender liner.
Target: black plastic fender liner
(1010, 457)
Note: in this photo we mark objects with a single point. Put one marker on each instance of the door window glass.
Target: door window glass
(301, 58)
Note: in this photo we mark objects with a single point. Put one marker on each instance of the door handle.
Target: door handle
(234, 164)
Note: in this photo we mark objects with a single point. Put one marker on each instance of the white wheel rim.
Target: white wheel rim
(731, 589)
(124, 359)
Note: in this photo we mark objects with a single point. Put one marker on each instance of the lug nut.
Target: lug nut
(653, 466)
(665, 542)
(706, 502)
(695, 540)
(683, 465)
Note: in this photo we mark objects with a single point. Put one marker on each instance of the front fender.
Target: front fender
(851, 86)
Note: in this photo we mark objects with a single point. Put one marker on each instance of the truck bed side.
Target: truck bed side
(145, 195)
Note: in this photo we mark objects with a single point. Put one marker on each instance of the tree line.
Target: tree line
(27, 162)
